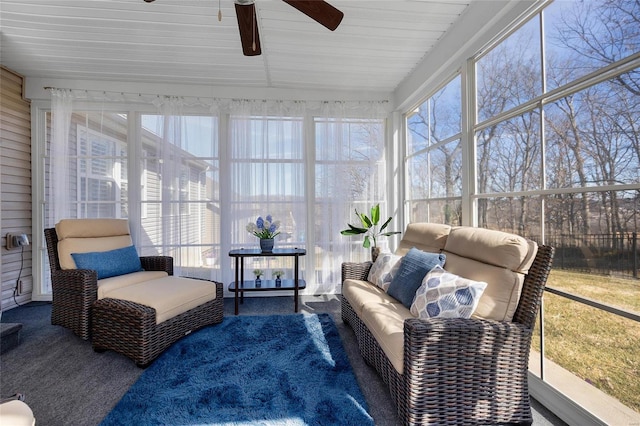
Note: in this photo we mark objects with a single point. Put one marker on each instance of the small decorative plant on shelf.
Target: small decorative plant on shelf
(278, 275)
(258, 273)
(266, 229)
(370, 229)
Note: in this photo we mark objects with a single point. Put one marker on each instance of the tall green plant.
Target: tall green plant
(369, 227)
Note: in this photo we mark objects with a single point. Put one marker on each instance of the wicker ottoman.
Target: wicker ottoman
(131, 328)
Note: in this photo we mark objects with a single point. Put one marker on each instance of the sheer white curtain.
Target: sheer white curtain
(165, 160)
(179, 163)
(58, 204)
(350, 174)
(191, 196)
(267, 169)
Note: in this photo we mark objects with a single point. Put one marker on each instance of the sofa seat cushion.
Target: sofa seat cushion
(386, 322)
(169, 296)
(106, 285)
(358, 293)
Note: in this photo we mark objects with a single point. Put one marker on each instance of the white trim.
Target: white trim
(559, 404)
(482, 21)
(307, 263)
(395, 179)
(39, 110)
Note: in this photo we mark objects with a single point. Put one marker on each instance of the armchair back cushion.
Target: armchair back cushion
(90, 235)
(497, 258)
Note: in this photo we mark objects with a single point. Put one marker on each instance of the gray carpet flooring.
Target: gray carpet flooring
(66, 383)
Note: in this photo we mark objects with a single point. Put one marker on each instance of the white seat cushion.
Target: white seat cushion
(359, 293)
(169, 296)
(106, 285)
(386, 322)
(16, 413)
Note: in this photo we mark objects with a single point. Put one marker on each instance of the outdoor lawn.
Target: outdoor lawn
(599, 347)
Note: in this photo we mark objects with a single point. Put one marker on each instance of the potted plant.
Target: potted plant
(278, 274)
(370, 229)
(258, 273)
(266, 229)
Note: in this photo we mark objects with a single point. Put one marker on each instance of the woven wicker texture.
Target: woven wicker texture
(130, 328)
(460, 371)
(125, 327)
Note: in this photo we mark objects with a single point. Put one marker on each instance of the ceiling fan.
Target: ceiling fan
(318, 10)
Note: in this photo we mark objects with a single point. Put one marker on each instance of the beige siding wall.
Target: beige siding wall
(15, 187)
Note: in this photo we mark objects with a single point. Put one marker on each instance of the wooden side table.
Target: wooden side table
(240, 286)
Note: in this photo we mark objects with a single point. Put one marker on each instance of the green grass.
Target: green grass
(599, 347)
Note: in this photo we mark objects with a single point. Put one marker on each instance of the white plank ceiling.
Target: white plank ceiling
(375, 47)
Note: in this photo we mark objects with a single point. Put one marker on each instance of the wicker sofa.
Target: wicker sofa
(138, 314)
(455, 371)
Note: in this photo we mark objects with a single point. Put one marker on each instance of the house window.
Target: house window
(96, 164)
(433, 161)
(102, 177)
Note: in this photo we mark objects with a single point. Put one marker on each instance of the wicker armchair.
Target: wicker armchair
(120, 324)
(459, 371)
(75, 290)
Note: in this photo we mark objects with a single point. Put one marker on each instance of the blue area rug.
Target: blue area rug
(249, 370)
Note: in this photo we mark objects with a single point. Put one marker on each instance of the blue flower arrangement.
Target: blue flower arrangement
(264, 228)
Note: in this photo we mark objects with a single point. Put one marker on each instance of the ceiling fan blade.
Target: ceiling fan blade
(248, 26)
(320, 11)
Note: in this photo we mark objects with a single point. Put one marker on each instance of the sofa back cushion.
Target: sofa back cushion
(498, 258)
(90, 235)
(430, 237)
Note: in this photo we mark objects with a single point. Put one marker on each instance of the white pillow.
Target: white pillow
(446, 295)
(383, 270)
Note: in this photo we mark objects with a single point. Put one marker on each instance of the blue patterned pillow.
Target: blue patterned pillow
(413, 267)
(109, 263)
(445, 295)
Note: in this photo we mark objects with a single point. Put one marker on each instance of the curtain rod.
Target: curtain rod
(105, 92)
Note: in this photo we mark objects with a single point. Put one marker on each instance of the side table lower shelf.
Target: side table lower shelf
(266, 285)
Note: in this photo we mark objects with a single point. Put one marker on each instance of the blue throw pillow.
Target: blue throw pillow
(413, 268)
(109, 263)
